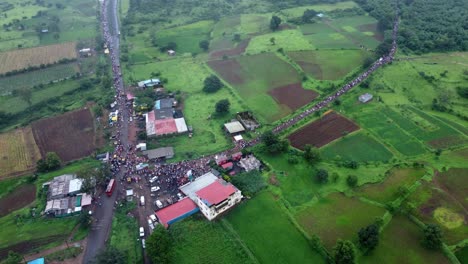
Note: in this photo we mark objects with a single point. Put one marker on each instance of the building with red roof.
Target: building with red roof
(217, 198)
(227, 166)
(177, 211)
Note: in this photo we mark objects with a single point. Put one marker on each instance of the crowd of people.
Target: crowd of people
(171, 176)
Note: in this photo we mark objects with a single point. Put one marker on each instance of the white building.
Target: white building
(212, 195)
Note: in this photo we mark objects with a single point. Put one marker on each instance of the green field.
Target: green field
(387, 190)
(124, 234)
(288, 40)
(268, 232)
(76, 21)
(358, 147)
(298, 11)
(254, 76)
(401, 235)
(43, 76)
(328, 64)
(359, 29)
(334, 217)
(195, 235)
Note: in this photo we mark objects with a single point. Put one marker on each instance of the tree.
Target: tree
(41, 166)
(432, 236)
(84, 219)
(344, 252)
(25, 94)
(273, 143)
(204, 45)
(237, 37)
(110, 255)
(322, 176)
(53, 160)
(352, 180)
(308, 15)
(369, 236)
(13, 258)
(222, 106)
(171, 46)
(88, 184)
(274, 23)
(367, 62)
(273, 41)
(311, 154)
(159, 245)
(212, 84)
(462, 91)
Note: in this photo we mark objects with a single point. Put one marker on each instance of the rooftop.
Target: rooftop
(216, 192)
(159, 153)
(176, 211)
(164, 113)
(234, 127)
(165, 126)
(164, 103)
(199, 183)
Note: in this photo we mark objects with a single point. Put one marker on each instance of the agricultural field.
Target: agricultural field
(194, 235)
(43, 76)
(24, 58)
(288, 40)
(358, 147)
(328, 64)
(71, 135)
(361, 30)
(387, 190)
(290, 246)
(17, 199)
(435, 204)
(256, 76)
(329, 127)
(334, 217)
(64, 22)
(19, 152)
(401, 235)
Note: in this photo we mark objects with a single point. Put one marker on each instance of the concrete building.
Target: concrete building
(64, 196)
(166, 152)
(250, 163)
(217, 198)
(176, 212)
(364, 98)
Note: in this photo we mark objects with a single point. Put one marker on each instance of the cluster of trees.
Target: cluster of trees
(50, 163)
(212, 84)
(273, 144)
(94, 177)
(249, 183)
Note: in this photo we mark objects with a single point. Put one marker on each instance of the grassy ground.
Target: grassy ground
(322, 36)
(124, 234)
(358, 147)
(387, 190)
(268, 232)
(194, 235)
(288, 40)
(298, 11)
(356, 28)
(44, 76)
(401, 235)
(334, 217)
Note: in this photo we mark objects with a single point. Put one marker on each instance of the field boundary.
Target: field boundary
(227, 226)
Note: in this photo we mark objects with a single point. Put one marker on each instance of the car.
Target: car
(142, 200)
(180, 195)
(155, 178)
(155, 188)
(153, 217)
(159, 204)
(142, 231)
(143, 243)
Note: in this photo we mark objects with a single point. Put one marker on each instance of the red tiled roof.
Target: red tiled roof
(165, 126)
(227, 165)
(130, 96)
(174, 211)
(216, 192)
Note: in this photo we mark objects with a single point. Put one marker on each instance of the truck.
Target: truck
(142, 200)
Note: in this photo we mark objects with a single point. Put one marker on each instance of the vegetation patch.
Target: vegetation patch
(288, 40)
(289, 245)
(448, 218)
(329, 127)
(401, 235)
(328, 64)
(24, 58)
(391, 187)
(334, 217)
(358, 147)
(194, 235)
(71, 136)
(19, 152)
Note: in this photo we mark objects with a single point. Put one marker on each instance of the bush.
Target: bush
(432, 236)
(212, 84)
(249, 182)
(352, 180)
(322, 176)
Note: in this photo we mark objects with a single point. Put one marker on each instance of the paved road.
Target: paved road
(104, 210)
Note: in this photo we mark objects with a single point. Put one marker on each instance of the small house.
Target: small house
(364, 98)
(234, 127)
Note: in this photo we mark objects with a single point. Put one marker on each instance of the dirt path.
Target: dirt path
(49, 251)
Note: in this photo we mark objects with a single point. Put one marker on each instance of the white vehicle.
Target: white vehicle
(153, 217)
(155, 188)
(143, 243)
(159, 204)
(155, 178)
(180, 195)
(142, 231)
(142, 200)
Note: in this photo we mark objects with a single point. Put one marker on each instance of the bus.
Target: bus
(110, 187)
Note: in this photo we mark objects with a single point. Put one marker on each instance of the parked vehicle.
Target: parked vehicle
(110, 187)
(153, 179)
(153, 217)
(159, 204)
(143, 243)
(142, 231)
(142, 200)
(155, 188)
